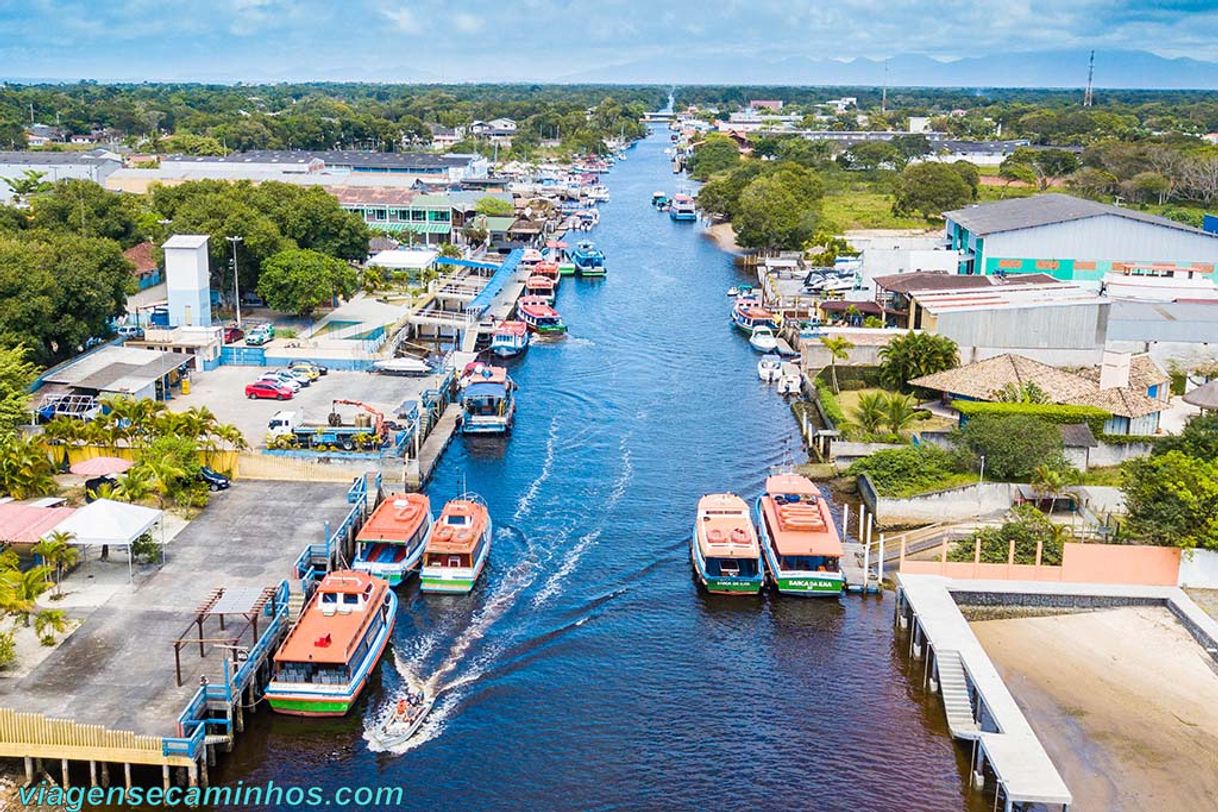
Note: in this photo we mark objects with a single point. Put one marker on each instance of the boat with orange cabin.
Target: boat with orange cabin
(458, 547)
(540, 316)
(510, 339)
(541, 287)
(326, 660)
(390, 543)
(800, 543)
(724, 549)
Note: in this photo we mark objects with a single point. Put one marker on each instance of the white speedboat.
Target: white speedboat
(733, 291)
(405, 720)
(403, 366)
(789, 379)
(769, 368)
(763, 339)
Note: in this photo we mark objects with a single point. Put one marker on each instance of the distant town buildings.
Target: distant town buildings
(95, 165)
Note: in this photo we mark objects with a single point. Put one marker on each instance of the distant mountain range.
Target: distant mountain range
(1113, 69)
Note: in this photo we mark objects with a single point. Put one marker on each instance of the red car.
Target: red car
(259, 390)
(233, 334)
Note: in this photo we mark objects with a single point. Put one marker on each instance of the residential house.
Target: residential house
(146, 271)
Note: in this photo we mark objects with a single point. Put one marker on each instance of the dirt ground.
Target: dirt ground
(1124, 700)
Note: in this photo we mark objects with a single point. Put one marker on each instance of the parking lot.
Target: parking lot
(223, 391)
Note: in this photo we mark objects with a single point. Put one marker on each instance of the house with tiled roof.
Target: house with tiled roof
(147, 270)
(1131, 388)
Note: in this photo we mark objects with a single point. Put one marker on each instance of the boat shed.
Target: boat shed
(116, 370)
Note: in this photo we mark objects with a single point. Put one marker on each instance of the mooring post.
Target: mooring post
(105, 774)
(845, 519)
(92, 773)
(63, 763)
(862, 518)
(165, 775)
(29, 771)
(127, 774)
(880, 564)
(866, 566)
(192, 777)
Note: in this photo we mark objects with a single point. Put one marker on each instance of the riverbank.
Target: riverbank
(1124, 701)
(724, 236)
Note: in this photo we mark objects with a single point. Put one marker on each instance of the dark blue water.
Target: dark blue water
(586, 670)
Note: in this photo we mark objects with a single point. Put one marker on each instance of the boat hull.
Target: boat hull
(333, 700)
(566, 269)
(683, 216)
(723, 584)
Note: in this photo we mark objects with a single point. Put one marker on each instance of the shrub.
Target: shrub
(1059, 413)
(145, 549)
(1012, 445)
(1026, 526)
(908, 471)
(8, 649)
(829, 404)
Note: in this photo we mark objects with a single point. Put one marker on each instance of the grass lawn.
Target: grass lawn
(849, 401)
(986, 194)
(1110, 476)
(847, 210)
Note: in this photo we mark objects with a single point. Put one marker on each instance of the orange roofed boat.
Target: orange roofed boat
(390, 543)
(724, 548)
(324, 663)
(801, 546)
(458, 547)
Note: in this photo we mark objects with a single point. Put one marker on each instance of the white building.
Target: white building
(188, 280)
(95, 165)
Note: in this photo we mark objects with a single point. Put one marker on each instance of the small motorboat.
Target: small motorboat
(407, 716)
(733, 291)
(763, 339)
(789, 379)
(407, 366)
(769, 368)
(659, 199)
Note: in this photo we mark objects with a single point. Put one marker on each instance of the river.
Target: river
(587, 670)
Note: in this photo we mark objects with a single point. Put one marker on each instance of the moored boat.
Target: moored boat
(390, 543)
(510, 339)
(763, 339)
(769, 368)
(748, 315)
(541, 287)
(683, 208)
(488, 403)
(324, 663)
(724, 550)
(659, 199)
(789, 379)
(458, 547)
(589, 260)
(801, 546)
(539, 316)
(530, 260)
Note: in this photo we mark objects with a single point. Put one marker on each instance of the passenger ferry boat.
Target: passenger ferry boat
(548, 269)
(530, 260)
(724, 549)
(748, 315)
(458, 547)
(802, 549)
(390, 543)
(324, 663)
(510, 339)
(540, 287)
(588, 259)
(556, 252)
(682, 208)
(488, 405)
(539, 316)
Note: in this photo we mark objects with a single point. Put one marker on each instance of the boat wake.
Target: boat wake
(519, 576)
(547, 467)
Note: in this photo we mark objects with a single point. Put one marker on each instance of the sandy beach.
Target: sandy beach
(1124, 701)
(724, 236)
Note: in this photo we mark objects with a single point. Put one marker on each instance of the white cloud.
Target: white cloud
(468, 23)
(404, 19)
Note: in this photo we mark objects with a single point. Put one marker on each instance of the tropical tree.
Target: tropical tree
(300, 280)
(25, 468)
(16, 375)
(48, 623)
(914, 355)
(57, 553)
(869, 414)
(20, 591)
(839, 348)
(1026, 392)
(494, 207)
(899, 412)
(30, 182)
(931, 188)
(1048, 483)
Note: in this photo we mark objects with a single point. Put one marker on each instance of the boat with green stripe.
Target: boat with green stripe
(458, 547)
(724, 549)
(323, 665)
(798, 539)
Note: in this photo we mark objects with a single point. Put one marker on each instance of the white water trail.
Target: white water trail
(547, 467)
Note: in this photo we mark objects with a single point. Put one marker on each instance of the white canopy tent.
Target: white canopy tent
(105, 522)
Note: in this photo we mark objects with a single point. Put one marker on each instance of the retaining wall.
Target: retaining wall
(1199, 569)
(955, 505)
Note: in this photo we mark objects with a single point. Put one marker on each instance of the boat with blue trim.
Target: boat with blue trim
(510, 339)
(802, 549)
(588, 259)
(390, 543)
(724, 549)
(324, 663)
(748, 315)
(458, 547)
(488, 403)
(682, 208)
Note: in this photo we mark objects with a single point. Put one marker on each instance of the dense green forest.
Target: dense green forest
(324, 116)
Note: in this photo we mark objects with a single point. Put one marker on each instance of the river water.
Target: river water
(587, 670)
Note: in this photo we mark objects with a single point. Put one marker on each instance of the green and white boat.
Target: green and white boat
(801, 546)
(458, 547)
(724, 550)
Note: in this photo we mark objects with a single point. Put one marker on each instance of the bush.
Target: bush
(901, 472)
(851, 386)
(1059, 413)
(1025, 527)
(145, 549)
(1012, 445)
(8, 649)
(829, 404)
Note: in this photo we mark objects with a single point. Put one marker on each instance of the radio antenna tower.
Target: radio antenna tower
(1087, 94)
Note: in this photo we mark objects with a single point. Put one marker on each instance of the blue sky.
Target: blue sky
(547, 40)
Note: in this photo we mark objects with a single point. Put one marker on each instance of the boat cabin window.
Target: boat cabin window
(329, 597)
(456, 521)
(732, 567)
(351, 600)
(808, 563)
(314, 674)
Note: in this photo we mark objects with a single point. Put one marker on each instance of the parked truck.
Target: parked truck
(334, 431)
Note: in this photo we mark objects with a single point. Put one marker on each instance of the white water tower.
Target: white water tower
(188, 280)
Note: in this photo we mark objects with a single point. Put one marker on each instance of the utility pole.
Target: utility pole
(884, 95)
(1087, 94)
(236, 279)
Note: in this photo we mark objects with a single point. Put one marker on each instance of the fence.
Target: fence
(39, 736)
(1137, 564)
(223, 461)
(272, 467)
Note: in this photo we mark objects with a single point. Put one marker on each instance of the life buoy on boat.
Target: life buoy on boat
(715, 536)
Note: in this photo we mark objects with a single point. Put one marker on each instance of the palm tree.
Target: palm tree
(1047, 482)
(31, 182)
(869, 414)
(134, 487)
(25, 468)
(48, 623)
(164, 474)
(899, 412)
(914, 355)
(57, 552)
(839, 348)
(20, 591)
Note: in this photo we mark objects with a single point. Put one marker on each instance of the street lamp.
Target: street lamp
(236, 280)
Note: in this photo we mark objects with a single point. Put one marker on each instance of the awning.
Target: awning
(485, 390)
(105, 521)
(417, 228)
